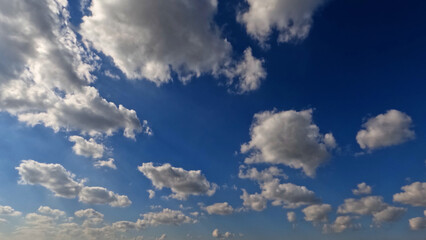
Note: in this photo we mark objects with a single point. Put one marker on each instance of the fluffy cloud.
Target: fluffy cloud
(48, 73)
(63, 184)
(317, 213)
(372, 205)
(87, 148)
(181, 182)
(166, 216)
(261, 176)
(52, 212)
(361, 189)
(92, 217)
(220, 209)
(107, 163)
(254, 201)
(291, 18)
(341, 224)
(418, 223)
(9, 211)
(390, 128)
(414, 194)
(291, 217)
(217, 234)
(289, 138)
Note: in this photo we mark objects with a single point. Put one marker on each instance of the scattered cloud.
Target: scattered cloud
(217, 234)
(51, 212)
(220, 209)
(253, 201)
(388, 129)
(63, 184)
(413, 194)
(418, 223)
(87, 148)
(341, 224)
(291, 217)
(289, 138)
(317, 213)
(107, 163)
(151, 193)
(265, 175)
(361, 189)
(292, 19)
(181, 182)
(9, 211)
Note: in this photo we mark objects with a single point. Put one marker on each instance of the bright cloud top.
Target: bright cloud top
(289, 138)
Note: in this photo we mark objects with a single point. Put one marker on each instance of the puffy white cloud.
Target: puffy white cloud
(220, 208)
(100, 195)
(181, 182)
(262, 176)
(88, 213)
(51, 176)
(413, 194)
(292, 19)
(361, 189)
(166, 216)
(9, 211)
(389, 214)
(291, 217)
(151, 193)
(383, 130)
(87, 148)
(52, 212)
(364, 206)
(107, 163)
(289, 138)
(317, 213)
(63, 184)
(254, 201)
(48, 73)
(341, 224)
(418, 223)
(217, 234)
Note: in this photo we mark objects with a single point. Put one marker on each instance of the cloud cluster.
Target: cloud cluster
(361, 189)
(63, 184)
(289, 138)
(383, 130)
(317, 213)
(220, 209)
(217, 234)
(292, 19)
(341, 224)
(48, 73)
(181, 182)
(413, 194)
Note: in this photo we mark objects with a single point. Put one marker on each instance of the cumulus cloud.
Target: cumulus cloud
(361, 189)
(291, 217)
(220, 208)
(217, 234)
(9, 211)
(413, 194)
(63, 184)
(317, 213)
(91, 216)
(166, 216)
(418, 223)
(261, 176)
(107, 163)
(254, 201)
(341, 224)
(48, 73)
(87, 148)
(383, 130)
(292, 19)
(372, 205)
(151, 193)
(289, 138)
(181, 182)
(52, 212)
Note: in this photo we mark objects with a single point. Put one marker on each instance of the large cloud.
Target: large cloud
(182, 182)
(289, 138)
(145, 43)
(63, 184)
(418, 223)
(390, 128)
(48, 73)
(291, 18)
(414, 194)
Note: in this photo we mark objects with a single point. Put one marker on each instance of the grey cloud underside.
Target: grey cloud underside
(63, 184)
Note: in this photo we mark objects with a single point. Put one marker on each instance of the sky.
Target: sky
(212, 119)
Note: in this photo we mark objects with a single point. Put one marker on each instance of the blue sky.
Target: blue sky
(278, 119)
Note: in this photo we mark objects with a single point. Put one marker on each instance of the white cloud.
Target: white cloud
(9, 211)
(92, 217)
(289, 138)
(292, 19)
(151, 193)
(390, 128)
(317, 213)
(63, 184)
(341, 224)
(217, 234)
(107, 163)
(261, 176)
(166, 216)
(418, 223)
(48, 73)
(181, 182)
(220, 209)
(389, 214)
(87, 148)
(361, 189)
(414, 194)
(254, 201)
(291, 217)
(52, 212)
